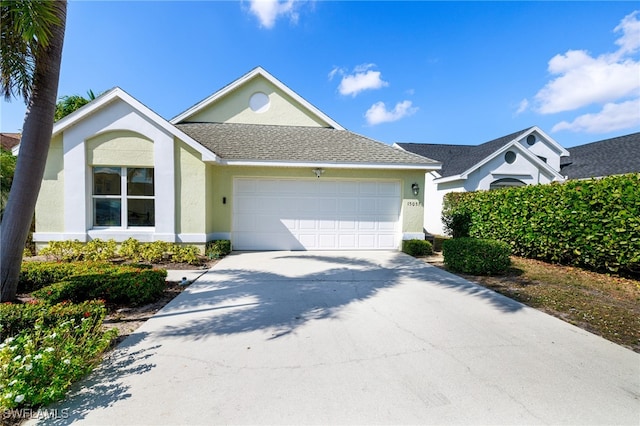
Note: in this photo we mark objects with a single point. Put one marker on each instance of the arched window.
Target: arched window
(506, 183)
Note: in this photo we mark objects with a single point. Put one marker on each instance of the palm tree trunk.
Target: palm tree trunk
(34, 147)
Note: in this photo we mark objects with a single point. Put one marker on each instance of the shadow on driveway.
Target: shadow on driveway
(229, 301)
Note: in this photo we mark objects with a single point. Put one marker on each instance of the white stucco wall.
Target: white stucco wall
(106, 132)
(545, 149)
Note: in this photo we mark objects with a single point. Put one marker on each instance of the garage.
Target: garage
(316, 214)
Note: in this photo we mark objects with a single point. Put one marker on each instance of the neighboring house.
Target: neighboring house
(615, 156)
(254, 163)
(10, 141)
(526, 157)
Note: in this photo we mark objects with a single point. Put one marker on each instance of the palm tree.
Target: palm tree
(69, 104)
(30, 56)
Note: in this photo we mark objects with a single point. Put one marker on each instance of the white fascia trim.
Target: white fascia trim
(511, 145)
(251, 74)
(450, 179)
(118, 93)
(329, 165)
(562, 151)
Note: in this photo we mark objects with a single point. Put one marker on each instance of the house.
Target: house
(9, 141)
(526, 157)
(615, 156)
(254, 163)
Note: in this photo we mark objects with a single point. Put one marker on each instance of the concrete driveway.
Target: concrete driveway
(355, 338)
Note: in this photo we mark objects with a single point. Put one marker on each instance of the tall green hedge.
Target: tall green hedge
(590, 223)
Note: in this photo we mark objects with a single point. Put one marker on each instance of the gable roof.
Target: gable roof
(118, 94)
(607, 157)
(456, 159)
(258, 71)
(256, 144)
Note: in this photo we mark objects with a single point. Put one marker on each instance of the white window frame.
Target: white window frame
(124, 198)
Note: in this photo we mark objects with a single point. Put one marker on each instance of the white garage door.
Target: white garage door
(315, 214)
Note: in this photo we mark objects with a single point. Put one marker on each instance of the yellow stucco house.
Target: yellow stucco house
(254, 163)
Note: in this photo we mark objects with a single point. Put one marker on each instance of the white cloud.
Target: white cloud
(334, 71)
(612, 117)
(378, 112)
(268, 11)
(630, 28)
(585, 80)
(362, 78)
(522, 107)
(609, 80)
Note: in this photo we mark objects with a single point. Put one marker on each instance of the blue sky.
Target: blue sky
(434, 72)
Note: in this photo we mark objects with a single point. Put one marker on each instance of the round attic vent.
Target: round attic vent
(510, 157)
(259, 102)
(531, 139)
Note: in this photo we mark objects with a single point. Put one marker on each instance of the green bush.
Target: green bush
(131, 249)
(99, 250)
(589, 223)
(417, 247)
(218, 249)
(476, 256)
(186, 254)
(154, 252)
(118, 285)
(64, 251)
(42, 358)
(15, 318)
(35, 275)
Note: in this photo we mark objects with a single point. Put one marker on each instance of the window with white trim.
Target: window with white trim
(123, 197)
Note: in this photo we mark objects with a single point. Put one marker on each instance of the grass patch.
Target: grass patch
(606, 305)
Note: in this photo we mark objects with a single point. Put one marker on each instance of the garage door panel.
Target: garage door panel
(282, 214)
(390, 189)
(367, 241)
(386, 242)
(347, 205)
(327, 241)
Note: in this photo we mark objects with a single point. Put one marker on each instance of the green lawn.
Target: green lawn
(606, 305)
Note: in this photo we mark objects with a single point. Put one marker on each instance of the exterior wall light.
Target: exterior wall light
(416, 189)
(318, 172)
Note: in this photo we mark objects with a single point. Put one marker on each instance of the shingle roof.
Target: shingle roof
(252, 142)
(9, 140)
(607, 157)
(458, 158)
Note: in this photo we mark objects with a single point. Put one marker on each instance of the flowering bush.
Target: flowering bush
(38, 364)
(17, 317)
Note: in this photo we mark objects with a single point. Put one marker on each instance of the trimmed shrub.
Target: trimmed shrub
(218, 249)
(476, 256)
(35, 275)
(589, 223)
(120, 285)
(417, 247)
